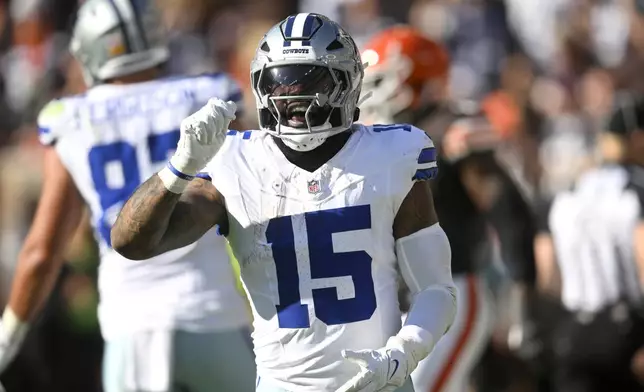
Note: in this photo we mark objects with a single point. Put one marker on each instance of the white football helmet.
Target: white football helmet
(306, 77)
(114, 38)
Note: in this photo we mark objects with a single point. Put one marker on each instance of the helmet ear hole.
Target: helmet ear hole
(335, 45)
(336, 118)
(356, 114)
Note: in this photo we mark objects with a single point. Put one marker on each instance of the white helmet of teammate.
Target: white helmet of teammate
(114, 38)
(306, 77)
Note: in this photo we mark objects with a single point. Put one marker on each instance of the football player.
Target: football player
(407, 74)
(319, 211)
(167, 322)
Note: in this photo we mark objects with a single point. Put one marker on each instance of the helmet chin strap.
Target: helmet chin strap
(313, 159)
(303, 142)
(315, 143)
(88, 78)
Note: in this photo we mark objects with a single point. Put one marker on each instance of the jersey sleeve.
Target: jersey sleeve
(222, 86)
(53, 119)
(414, 152)
(425, 168)
(413, 158)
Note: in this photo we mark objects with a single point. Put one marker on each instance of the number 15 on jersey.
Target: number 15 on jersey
(335, 270)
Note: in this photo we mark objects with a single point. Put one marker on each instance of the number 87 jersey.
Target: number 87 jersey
(316, 249)
(110, 140)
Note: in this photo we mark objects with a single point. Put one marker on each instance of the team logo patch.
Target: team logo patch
(314, 187)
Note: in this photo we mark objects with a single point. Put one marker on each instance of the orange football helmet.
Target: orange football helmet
(405, 70)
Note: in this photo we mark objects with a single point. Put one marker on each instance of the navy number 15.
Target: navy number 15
(328, 267)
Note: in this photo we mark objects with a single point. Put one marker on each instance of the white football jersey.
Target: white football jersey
(316, 250)
(111, 139)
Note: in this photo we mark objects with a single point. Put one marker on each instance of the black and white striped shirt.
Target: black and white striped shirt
(593, 228)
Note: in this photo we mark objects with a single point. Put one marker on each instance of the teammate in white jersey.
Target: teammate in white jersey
(168, 322)
(319, 211)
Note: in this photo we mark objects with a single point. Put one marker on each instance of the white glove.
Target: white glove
(12, 334)
(383, 370)
(202, 135)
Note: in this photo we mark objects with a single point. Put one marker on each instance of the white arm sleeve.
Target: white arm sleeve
(425, 263)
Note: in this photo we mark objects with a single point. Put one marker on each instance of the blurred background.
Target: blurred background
(551, 68)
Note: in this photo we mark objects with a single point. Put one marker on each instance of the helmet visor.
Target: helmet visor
(297, 80)
(300, 93)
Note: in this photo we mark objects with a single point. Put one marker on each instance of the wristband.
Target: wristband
(415, 341)
(174, 180)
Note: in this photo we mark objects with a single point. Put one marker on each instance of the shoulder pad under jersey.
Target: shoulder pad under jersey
(412, 148)
(54, 119)
(230, 150)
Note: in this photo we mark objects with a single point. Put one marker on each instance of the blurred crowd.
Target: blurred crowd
(549, 72)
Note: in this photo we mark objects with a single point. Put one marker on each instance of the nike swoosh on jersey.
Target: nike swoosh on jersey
(396, 368)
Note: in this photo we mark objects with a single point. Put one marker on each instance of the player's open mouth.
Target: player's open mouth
(296, 114)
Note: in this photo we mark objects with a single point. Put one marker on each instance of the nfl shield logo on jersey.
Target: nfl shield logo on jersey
(314, 187)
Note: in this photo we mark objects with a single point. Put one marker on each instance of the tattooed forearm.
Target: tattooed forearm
(143, 219)
(199, 208)
(155, 220)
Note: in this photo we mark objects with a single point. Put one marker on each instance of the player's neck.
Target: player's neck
(139, 77)
(312, 160)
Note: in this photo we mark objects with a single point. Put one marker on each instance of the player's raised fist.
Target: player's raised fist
(210, 123)
(202, 135)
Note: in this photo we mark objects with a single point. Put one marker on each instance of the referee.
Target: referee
(596, 244)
